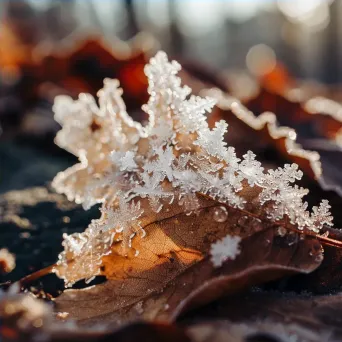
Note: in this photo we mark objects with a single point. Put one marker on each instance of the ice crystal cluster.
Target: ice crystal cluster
(171, 159)
(224, 249)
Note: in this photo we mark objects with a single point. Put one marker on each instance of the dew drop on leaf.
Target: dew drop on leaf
(220, 214)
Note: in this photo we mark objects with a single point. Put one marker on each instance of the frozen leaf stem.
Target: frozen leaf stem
(285, 224)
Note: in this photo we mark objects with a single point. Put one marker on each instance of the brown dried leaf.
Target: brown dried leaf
(296, 103)
(320, 314)
(26, 318)
(262, 131)
(328, 277)
(222, 331)
(83, 67)
(319, 113)
(330, 156)
(173, 274)
(317, 158)
(78, 63)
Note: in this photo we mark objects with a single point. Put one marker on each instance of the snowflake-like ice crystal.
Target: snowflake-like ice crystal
(225, 249)
(173, 158)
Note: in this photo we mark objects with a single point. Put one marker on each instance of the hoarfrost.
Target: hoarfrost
(224, 249)
(175, 157)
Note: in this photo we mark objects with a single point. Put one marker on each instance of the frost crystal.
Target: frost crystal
(212, 140)
(224, 249)
(136, 171)
(119, 220)
(251, 169)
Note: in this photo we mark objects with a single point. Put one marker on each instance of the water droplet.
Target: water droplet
(220, 214)
(38, 323)
(166, 306)
(66, 219)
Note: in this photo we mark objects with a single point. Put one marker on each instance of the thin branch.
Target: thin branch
(23, 282)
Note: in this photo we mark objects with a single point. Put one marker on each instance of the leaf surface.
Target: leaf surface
(167, 279)
(319, 314)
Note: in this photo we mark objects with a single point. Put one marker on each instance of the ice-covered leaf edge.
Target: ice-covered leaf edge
(313, 98)
(268, 120)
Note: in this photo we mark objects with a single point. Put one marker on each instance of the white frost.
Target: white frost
(225, 249)
(173, 158)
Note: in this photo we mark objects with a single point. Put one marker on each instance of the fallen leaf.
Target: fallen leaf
(154, 239)
(76, 64)
(264, 331)
(319, 314)
(328, 277)
(152, 332)
(19, 34)
(317, 157)
(309, 108)
(260, 131)
(91, 59)
(318, 116)
(330, 156)
(164, 280)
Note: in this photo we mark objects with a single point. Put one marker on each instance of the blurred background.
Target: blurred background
(306, 35)
(51, 47)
